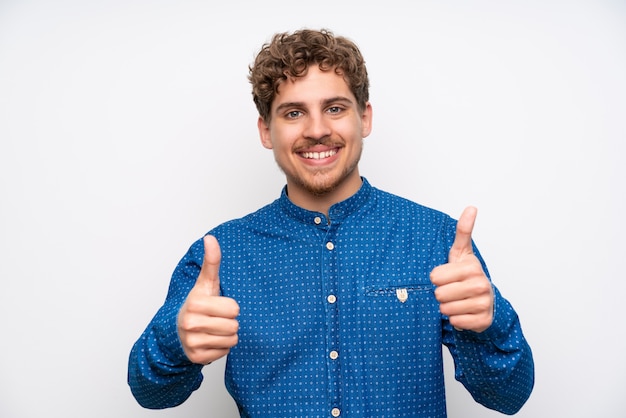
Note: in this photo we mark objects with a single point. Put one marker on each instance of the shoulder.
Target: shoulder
(400, 206)
(259, 219)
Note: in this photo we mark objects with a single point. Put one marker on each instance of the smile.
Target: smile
(318, 155)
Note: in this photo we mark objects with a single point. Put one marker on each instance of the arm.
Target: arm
(495, 366)
(195, 326)
(481, 329)
(159, 373)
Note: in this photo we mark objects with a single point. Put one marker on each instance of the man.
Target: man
(335, 299)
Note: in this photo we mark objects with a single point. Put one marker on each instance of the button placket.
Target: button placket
(330, 284)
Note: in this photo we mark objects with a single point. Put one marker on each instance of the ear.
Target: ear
(264, 133)
(366, 120)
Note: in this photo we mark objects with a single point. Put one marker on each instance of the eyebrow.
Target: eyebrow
(325, 103)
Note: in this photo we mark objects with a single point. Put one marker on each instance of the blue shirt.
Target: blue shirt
(338, 318)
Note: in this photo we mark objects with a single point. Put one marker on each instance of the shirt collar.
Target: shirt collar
(337, 212)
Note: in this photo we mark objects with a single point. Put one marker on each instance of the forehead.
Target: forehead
(315, 87)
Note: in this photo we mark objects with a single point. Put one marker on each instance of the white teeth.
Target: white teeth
(319, 155)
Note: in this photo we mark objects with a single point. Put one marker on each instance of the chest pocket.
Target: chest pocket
(402, 293)
(402, 306)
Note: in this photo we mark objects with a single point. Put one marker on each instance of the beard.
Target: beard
(322, 181)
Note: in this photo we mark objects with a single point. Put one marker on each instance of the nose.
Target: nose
(317, 127)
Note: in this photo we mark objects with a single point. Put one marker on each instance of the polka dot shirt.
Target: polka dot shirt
(338, 318)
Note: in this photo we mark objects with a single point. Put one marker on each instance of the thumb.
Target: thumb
(209, 273)
(462, 244)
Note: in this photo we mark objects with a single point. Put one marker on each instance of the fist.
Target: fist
(463, 290)
(207, 324)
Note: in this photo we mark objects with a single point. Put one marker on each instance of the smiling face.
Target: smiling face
(316, 132)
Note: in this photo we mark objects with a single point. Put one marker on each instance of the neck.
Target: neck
(322, 202)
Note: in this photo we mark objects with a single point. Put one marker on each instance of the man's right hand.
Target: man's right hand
(207, 324)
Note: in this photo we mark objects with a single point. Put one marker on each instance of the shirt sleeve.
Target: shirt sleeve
(159, 373)
(495, 366)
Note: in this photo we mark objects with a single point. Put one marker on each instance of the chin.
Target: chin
(324, 186)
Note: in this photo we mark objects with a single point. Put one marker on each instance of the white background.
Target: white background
(127, 130)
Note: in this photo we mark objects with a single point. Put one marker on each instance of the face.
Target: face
(316, 133)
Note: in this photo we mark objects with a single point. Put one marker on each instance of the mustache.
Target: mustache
(311, 142)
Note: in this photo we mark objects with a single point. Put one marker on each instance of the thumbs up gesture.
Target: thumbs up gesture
(207, 324)
(463, 290)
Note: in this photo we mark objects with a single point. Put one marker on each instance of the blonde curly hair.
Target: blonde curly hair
(289, 55)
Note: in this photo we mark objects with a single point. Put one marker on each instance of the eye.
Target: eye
(334, 110)
(293, 114)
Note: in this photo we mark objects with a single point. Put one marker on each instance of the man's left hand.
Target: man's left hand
(463, 290)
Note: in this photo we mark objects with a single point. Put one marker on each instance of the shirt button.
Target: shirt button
(317, 220)
(330, 246)
(334, 355)
(335, 412)
(331, 298)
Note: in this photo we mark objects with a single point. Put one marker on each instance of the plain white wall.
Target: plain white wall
(127, 130)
